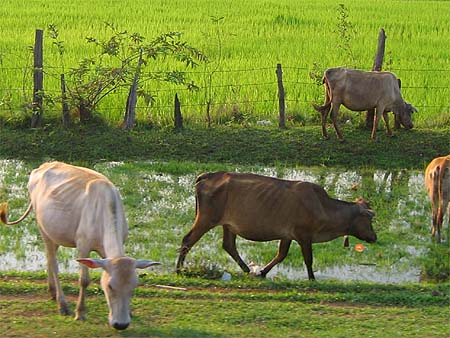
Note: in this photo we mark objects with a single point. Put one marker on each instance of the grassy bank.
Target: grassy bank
(240, 307)
(296, 146)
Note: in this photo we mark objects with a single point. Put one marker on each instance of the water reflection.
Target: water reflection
(165, 196)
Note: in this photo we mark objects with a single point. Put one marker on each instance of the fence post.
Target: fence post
(130, 110)
(281, 102)
(65, 107)
(38, 79)
(177, 114)
(377, 64)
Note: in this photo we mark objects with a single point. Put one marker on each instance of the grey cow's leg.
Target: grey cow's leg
(386, 122)
(334, 115)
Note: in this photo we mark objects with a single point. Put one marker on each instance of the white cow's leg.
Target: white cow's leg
(53, 279)
(84, 281)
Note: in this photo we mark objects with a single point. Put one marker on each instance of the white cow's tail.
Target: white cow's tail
(4, 212)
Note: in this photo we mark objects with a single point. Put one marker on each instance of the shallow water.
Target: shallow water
(164, 212)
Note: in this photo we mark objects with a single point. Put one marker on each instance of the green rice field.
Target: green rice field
(243, 49)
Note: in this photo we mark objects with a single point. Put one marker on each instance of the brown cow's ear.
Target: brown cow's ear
(363, 202)
(370, 213)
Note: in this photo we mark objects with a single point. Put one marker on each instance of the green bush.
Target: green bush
(436, 264)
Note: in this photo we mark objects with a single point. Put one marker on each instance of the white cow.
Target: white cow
(80, 208)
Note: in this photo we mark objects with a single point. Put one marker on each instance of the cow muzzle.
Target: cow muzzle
(372, 239)
(408, 126)
(120, 326)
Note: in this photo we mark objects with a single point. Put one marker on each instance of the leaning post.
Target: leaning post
(281, 97)
(38, 79)
(177, 114)
(130, 109)
(65, 106)
(377, 65)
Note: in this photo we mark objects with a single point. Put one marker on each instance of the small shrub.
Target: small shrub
(436, 264)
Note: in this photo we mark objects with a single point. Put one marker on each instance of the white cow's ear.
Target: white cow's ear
(92, 262)
(143, 263)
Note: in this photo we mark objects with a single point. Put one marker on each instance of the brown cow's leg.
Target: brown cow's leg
(440, 220)
(196, 232)
(434, 221)
(84, 280)
(229, 245)
(346, 241)
(283, 249)
(308, 257)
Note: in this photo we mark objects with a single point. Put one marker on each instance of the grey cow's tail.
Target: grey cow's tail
(327, 105)
(4, 214)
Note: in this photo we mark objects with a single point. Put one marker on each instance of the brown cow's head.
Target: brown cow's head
(361, 224)
(404, 116)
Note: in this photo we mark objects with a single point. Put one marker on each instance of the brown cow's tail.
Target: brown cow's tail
(199, 178)
(444, 191)
(4, 212)
(327, 105)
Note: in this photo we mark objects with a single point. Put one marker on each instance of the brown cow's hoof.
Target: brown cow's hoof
(64, 311)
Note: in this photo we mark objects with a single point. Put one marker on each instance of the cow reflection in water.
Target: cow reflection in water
(260, 208)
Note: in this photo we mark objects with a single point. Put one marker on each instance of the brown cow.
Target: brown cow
(359, 91)
(437, 182)
(260, 208)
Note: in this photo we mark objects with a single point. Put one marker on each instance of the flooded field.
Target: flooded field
(159, 204)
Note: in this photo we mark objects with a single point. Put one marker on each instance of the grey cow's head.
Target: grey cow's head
(404, 115)
(119, 279)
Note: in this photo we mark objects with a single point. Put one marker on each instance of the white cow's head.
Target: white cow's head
(119, 279)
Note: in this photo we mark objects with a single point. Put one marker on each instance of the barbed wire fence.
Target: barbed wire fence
(238, 95)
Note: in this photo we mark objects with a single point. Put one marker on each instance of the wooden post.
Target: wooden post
(377, 65)
(65, 107)
(281, 102)
(38, 79)
(177, 114)
(130, 110)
